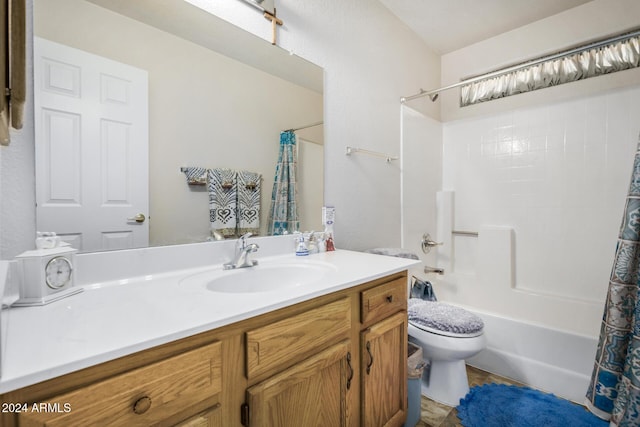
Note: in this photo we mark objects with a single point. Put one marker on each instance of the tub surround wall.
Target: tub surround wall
(556, 175)
(542, 176)
(545, 188)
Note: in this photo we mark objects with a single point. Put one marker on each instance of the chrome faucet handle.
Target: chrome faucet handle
(243, 257)
(242, 240)
(427, 243)
(240, 258)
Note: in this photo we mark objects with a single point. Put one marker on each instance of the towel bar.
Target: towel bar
(387, 157)
(464, 233)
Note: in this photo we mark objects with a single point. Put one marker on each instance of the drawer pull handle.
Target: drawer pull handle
(370, 357)
(350, 370)
(142, 405)
(390, 298)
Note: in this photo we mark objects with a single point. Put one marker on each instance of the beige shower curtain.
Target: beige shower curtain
(12, 71)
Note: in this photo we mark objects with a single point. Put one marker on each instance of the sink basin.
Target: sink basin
(261, 278)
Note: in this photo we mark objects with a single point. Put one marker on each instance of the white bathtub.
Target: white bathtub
(554, 361)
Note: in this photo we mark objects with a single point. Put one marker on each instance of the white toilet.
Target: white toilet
(447, 335)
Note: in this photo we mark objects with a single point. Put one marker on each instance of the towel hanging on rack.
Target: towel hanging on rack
(195, 175)
(13, 70)
(248, 187)
(222, 201)
(422, 289)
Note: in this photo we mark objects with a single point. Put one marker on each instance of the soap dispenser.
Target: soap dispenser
(301, 248)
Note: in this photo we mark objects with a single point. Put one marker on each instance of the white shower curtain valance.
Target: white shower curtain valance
(618, 56)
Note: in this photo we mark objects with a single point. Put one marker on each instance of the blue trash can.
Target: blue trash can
(415, 367)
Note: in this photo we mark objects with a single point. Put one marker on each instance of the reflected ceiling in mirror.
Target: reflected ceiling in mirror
(262, 5)
(218, 97)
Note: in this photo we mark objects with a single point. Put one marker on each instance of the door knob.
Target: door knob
(138, 218)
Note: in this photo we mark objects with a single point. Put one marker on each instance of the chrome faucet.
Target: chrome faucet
(241, 256)
(436, 270)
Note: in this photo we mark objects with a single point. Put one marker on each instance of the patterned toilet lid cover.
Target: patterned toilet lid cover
(442, 318)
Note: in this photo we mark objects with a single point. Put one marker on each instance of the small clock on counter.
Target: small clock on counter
(46, 275)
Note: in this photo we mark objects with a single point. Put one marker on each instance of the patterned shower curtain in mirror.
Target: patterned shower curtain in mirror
(614, 390)
(283, 215)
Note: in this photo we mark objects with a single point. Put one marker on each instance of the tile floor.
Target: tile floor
(434, 414)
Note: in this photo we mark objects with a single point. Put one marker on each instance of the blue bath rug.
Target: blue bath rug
(499, 405)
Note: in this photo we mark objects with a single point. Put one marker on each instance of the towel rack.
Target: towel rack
(387, 157)
(464, 233)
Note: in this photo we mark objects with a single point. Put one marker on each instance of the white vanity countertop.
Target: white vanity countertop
(111, 320)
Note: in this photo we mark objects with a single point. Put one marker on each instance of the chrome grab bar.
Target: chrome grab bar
(465, 233)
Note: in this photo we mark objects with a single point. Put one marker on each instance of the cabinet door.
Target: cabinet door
(310, 393)
(384, 372)
(209, 418)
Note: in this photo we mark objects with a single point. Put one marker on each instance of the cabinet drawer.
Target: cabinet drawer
(282, 343)
(383, 300)
(141, 397)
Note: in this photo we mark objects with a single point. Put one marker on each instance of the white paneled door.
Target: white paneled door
(91, 130)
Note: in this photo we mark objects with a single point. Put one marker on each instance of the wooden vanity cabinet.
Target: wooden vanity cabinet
(383, 350)
(148, 395)
(336, 360)
(320, 390)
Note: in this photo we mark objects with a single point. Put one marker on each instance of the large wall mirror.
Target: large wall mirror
(217, 97)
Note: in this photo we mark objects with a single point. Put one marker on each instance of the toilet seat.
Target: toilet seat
(445, 333)
(443, 319)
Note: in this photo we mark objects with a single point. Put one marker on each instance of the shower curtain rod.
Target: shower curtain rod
(433, 94)
(309, 141)
(304, 127)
